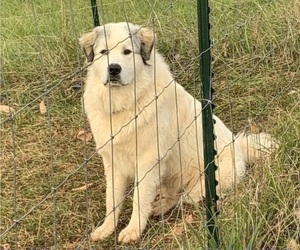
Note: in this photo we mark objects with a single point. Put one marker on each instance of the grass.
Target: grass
(257, 74)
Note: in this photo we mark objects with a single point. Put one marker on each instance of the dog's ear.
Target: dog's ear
(87, 42)
(147, 38)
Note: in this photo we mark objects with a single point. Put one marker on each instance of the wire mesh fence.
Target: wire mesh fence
(52, 179)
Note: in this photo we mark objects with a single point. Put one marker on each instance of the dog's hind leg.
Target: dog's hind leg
(164, 205)
(230, 170)
(194, 190)
(167, 197)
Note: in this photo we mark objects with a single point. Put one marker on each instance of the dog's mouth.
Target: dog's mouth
(114, 82)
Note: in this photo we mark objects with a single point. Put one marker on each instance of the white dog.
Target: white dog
(147, 128)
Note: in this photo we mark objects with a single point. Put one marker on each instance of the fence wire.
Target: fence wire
(52, 179)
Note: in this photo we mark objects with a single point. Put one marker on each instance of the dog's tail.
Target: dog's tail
(256, 146)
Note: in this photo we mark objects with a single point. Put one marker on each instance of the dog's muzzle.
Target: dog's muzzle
(114, 78)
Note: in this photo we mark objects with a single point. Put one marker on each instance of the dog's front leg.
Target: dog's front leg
(144, 194)
(116, 184)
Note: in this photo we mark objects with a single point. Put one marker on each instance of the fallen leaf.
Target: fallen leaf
(177, 56)
(292, 245)
(84, 136)
(6, 109)
(43, 108)
(190, 219)
(251, 91)
(84, 187)
(293, 92)
(178, 230)
(5, 246)
(223, 84)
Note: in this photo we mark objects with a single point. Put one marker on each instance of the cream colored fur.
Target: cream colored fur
(136, 124)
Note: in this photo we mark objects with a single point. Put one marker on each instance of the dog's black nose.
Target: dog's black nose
(114, 69)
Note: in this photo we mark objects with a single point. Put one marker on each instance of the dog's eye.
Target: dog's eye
(127, 51)
(104, 52)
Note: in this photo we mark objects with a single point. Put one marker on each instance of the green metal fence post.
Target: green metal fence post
(95, 13)
(207, 122)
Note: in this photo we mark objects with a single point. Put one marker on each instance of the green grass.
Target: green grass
(257, 75)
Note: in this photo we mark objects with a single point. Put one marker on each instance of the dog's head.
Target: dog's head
(118, 51)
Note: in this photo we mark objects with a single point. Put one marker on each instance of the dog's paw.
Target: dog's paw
(160, 207)
(101, 233)
(129, 234)
(157, 208)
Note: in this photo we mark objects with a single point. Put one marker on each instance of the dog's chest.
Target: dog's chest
(119, 129)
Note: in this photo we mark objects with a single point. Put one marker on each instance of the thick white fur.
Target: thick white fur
(137, 134)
